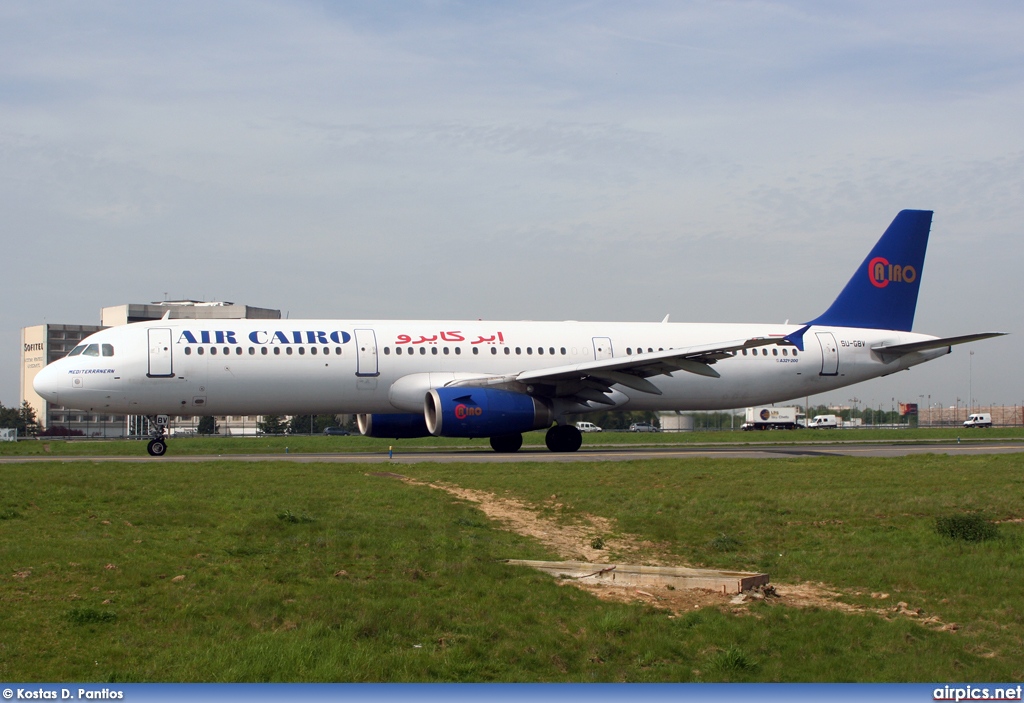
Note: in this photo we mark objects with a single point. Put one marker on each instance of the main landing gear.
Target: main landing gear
(560, 438)
(158, 445)
(563, 438)
(506, 444)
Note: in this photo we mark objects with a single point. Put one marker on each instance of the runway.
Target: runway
(599, 453)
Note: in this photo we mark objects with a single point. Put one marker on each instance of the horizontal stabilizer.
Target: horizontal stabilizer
(900, 349)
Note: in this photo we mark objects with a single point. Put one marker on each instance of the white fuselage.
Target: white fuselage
(236, 367)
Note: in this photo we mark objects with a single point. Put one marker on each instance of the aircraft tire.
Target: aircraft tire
(563, 438)
(157, 447)
(507, 443)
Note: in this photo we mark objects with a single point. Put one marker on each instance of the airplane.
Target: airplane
(417, 378)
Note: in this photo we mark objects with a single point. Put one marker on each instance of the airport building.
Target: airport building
(43, 344)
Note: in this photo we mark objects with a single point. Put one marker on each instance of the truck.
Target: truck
(978, 420)
(826, 422)
(772, 418)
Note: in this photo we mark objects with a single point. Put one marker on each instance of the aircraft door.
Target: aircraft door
(160, 362)
(602, 348)
(366, 350)
(829, 354)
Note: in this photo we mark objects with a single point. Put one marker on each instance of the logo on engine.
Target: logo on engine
(881, 273)
(462, 411)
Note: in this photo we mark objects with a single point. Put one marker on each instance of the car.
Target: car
(643, 427)
(339, 431)
(587, 427)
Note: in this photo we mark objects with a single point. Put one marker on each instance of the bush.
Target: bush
(89, 616)
(970, 528)
(724, 543)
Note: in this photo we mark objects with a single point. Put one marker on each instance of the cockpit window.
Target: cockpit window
(77, 350)
(92, 350)
(108, 349)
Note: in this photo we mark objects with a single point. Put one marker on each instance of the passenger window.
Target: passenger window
(458, 350)
(108, 349)
(519, 350)
(312, 350)
(744, 352)
(423, 351)
(446, 351)
(302, 351)
(337, 350)
(77, 350)
(387, 351)
(794, 352)
(252, 351)
(433, 350)
(227, 351)
(238, 350)
(785, 352)
(92, 350)
(551, 350)
(494, 350)
(200, 351)
(288, 351)
(188, 350)
(508, 351)
(775, 352)
(327, 351)
(563, 351)
(213, 350)
(398, 350)
(277, 351)
(529, 350)
(629, 351)
(476, 350)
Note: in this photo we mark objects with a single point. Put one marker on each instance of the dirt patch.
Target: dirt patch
(575, 542)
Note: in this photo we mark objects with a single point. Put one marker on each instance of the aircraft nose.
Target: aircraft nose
(45, 383)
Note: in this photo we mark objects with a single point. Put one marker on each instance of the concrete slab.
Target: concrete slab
(634, 575)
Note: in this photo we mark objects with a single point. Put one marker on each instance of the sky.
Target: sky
(714, 161)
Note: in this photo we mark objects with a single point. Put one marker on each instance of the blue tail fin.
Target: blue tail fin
(883, 292)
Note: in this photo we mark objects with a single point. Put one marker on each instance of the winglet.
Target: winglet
(883, 292)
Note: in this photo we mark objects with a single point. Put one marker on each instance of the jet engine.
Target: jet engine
(393, 425)
(467, 411)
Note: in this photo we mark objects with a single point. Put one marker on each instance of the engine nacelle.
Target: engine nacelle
(393, 425)
(467, 411)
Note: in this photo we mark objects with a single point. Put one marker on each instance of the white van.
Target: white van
(979, 420)
(587, 427)
(826, 422)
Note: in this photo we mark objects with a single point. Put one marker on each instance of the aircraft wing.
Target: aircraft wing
(592, 380)
(901, 349)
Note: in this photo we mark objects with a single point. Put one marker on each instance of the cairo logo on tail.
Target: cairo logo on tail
(881, 273)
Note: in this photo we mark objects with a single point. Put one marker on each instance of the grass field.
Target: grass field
(274, 571)
(319, 444)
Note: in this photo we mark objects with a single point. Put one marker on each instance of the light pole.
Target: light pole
(970, 384)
